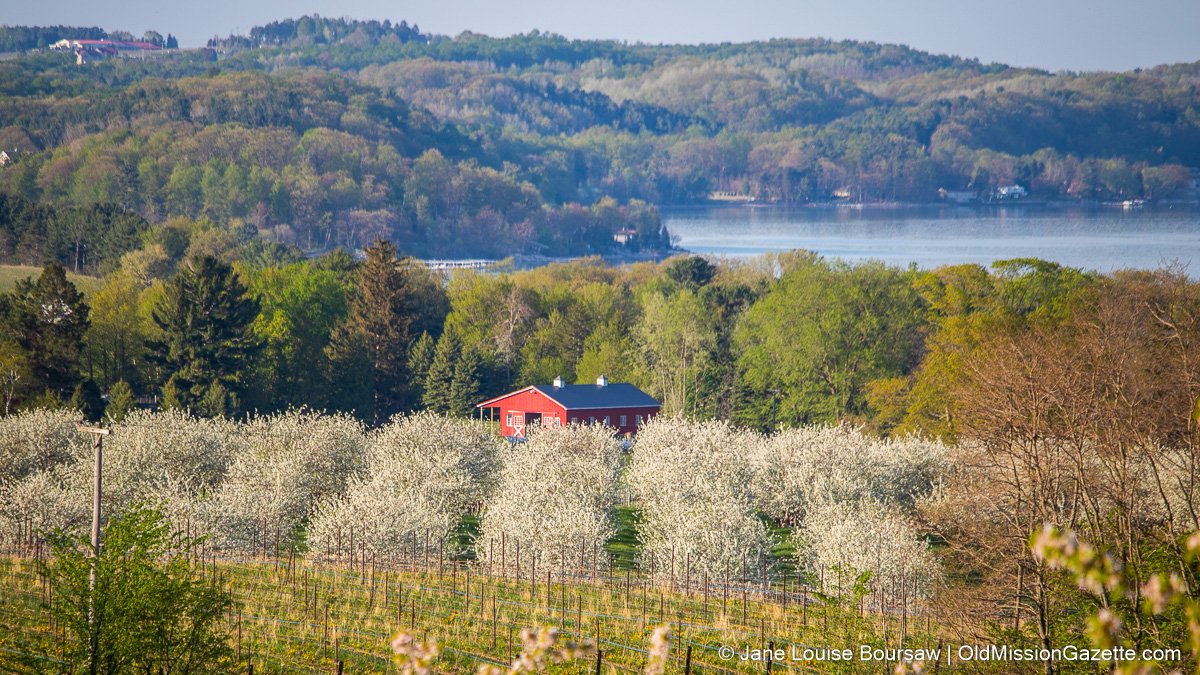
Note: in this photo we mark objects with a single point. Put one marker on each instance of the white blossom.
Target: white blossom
(289, 463)
(33, 440)
(555, 495)
(846, 540)
(813, 465)
(423, 472)
(695, 483)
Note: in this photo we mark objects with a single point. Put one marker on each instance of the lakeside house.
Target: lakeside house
(619, 405)
(958, 196)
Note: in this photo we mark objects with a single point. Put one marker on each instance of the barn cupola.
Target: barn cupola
(602, 381)
(558, 382)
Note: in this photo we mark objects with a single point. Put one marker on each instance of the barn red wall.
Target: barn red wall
(614, 415)
(533, 401)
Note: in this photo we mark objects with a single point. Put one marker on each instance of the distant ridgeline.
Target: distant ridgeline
(319, 30)
(25, 38)
(314, 133)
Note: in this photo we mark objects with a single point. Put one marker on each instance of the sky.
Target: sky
(1049, 34)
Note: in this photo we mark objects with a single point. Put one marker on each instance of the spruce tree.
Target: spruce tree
(439, 380)
(48, 319)
(170, 396)
(420, 358)
(351, 377)
(206, 342)
(88, 401)
(465, 384)
(381, 312)
(120, 401)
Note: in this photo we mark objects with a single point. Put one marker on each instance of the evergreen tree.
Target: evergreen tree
(216, 402)
(439, 381)
(172, 42)
(381, 313)
(351, 378)
(465, 384)
(48, 319)
(420, 358)
(170, 396)
(206, 341)
(88, 401)
(120, 401)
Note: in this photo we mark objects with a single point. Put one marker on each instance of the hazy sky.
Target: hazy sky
(1051, 34)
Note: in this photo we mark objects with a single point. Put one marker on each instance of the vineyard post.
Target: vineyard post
(725, 594)
(804, 601)
(687, 663)
(98, 434)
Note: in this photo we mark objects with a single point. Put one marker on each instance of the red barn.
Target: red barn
(620, 405)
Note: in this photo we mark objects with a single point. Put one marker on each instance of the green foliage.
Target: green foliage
(24, 38)
(821, 335)
(439, 379)
(206, 345)
(420, 359)
(89, 238)
(88, 401)
(15, 377)
(121, 401)
(148, 608)
(47, 318)
(393, 302)
(300, 305)
(465, 384)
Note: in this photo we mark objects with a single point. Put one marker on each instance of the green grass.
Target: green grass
(11, 274)
(302, 618)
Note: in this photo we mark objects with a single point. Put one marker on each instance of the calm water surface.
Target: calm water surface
(1099, 238)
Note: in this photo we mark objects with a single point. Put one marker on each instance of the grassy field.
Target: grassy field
(11, 274)
(301, 617)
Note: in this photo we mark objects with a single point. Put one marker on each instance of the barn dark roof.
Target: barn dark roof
(612, 395)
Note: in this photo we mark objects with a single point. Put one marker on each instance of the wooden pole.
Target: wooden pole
(98, 434)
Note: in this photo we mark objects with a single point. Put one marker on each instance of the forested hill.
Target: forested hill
(794, 120)
(315, 132)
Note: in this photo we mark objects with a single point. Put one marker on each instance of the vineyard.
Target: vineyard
(294, 616)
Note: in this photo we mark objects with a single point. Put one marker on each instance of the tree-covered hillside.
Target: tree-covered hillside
(791, 120)
(315, 133)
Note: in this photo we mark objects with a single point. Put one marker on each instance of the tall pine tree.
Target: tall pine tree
(206, 346)
(48, 319)
(439, 381)
(465, 384)
(420, 358)
(387, 301)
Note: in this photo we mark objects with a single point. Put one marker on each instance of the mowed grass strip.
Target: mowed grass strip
(11, 274)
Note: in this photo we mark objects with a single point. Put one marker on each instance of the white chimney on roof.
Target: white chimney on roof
(602, 381)
(558, 382)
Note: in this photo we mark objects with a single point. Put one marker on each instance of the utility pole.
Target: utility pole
(98, 434)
